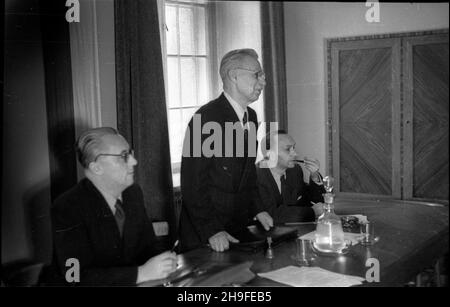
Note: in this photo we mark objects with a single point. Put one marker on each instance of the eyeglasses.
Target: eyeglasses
(257, 74)
(124, 155)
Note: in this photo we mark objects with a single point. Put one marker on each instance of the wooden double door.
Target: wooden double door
(388, 115)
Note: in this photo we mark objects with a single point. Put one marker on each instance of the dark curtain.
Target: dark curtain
(141, 103)
(59, 96)
(274, 63)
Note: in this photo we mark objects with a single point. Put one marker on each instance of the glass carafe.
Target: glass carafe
(329, 237)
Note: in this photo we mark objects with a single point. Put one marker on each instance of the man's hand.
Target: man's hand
(313, 165)
(220, 241)
(265, 219)
(157, 267)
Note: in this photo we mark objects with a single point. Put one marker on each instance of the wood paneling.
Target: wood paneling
(366, 149)
(388, 115)
(427, 109)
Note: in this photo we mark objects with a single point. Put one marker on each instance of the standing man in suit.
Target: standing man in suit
(218, 181)
(284, 193)
(101, 223)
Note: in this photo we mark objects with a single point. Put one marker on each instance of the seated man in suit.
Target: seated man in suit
(101, 223)
(285, 195)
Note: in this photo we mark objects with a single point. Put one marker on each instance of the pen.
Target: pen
(174, 246)
(300, 161)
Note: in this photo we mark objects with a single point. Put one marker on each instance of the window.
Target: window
(186, 68)
(195, 35)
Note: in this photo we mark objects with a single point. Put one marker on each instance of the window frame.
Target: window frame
(211, 60)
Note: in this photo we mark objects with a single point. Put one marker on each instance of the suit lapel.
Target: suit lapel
(103, 212)
(227, 114)
(292, 184)
(271, 184)
(249, 161)
(128, 228)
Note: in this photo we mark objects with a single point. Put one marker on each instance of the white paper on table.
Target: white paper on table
(311, 277)
(348, 236)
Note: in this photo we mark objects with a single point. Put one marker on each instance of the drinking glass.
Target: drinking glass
(368, 233)
(304, 254)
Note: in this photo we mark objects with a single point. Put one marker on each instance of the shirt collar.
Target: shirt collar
(110, 200)
(236, 107)
(276, 174)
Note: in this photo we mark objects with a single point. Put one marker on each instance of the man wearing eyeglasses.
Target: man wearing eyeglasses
(219, 190)
(100, 226)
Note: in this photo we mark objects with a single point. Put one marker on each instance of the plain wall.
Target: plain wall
(238, 26)
(25, 163)
(307, 25)
(107, 61)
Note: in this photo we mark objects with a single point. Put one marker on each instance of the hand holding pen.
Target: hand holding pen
(174, 246)
(168, 283)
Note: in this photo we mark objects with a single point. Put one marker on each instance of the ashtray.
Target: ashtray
(350, 223)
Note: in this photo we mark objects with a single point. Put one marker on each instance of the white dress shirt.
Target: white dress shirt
(238, 109)
(277, 176)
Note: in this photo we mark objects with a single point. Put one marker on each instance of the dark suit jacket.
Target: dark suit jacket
(294, 204)
(219, 193)
(85, 228)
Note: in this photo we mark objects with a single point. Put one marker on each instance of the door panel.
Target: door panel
(388, 115)
(365, 76)
(428, 105)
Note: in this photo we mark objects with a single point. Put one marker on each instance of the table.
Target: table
(413, 235)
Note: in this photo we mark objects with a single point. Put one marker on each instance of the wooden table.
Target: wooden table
(413, 235)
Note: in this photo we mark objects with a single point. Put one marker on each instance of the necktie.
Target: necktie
(244, 122)
(283, 186)
(119, 216)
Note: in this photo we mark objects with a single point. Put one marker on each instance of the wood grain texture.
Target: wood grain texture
(388, 115)
(430, 121)
(365, 121)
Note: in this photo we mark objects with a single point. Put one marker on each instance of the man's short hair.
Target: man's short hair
(233, 58)
(268, 140)
(89, 143)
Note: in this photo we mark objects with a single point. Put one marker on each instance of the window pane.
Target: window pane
(203, 87)
(173, 83)
(176, 134)
(186, 117)
(188, 82)
(187, 75)
(186, 31)
(171, 31)
(200, 27)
